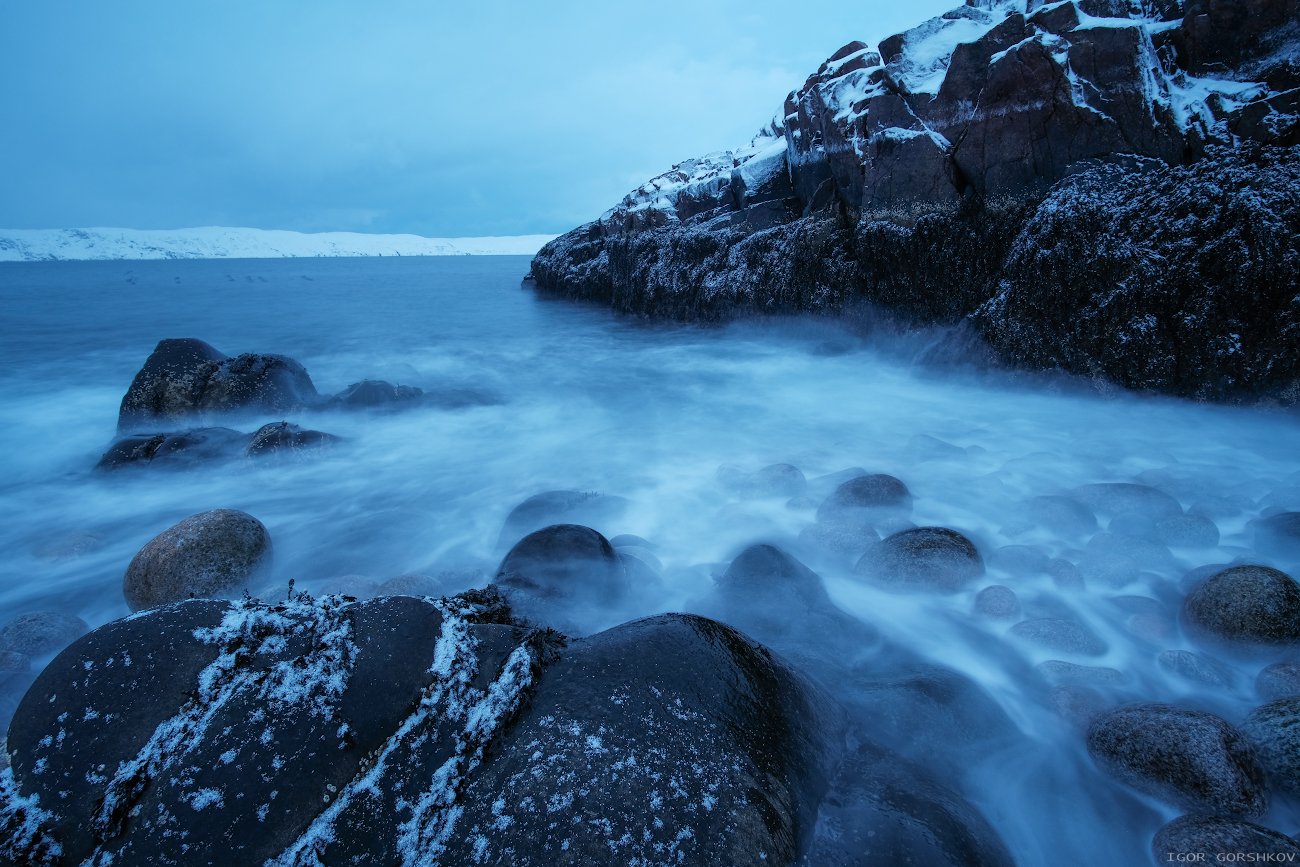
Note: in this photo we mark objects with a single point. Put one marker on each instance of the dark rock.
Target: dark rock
(14, 664)
(1062, 636)
(187, 378)
(40, 633)
(559, 507)
(565, 575)
(1077, 704)
(866, 497)
(776, 480)
(924, 558)
(1189, 758)
(283, 438)
(1279, 535)
(1245, 608)
(1197, 668)
(882, 809)
(1215, 839)
(1279, 680)
(173, 449)
(1274, 729)
(997, 602)
(765, 575)
(373, 393)
(241, 733)
(212, 553)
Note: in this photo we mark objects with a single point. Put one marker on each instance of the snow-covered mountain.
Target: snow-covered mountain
(220, 242)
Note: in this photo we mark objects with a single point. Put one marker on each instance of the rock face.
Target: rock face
(1189, 758)
(1080, 184)
(187, 378)
(211, 553)
(413, 731)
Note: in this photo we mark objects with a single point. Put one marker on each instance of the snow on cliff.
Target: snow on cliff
(217, 242)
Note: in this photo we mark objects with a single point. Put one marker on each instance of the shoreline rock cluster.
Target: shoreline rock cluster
(1088, 187)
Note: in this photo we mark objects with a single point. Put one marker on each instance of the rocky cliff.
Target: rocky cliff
(1100, 186)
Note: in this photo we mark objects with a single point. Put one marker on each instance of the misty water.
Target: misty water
(558, 396)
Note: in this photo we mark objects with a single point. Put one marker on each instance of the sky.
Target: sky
(438, 119)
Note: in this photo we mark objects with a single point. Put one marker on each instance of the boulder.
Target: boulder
(283, 438)
(1245, 609)
(1118, 498)
(332, 732)
(559, 507)
(186, 379)
(376, 393)
(1279, 535)
(1197, 668)
(1279, 680)
(1202, 839)
(566, 575)
(1189, 758)
(1060, 636)
(1274, 729)
(213, 553)
(41, 632)
(924, 558)
(173, 450)
(764, 575)
(997, 602)
(866, 498)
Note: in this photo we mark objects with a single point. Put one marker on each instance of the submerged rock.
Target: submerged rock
(864, 499)
(1219, 839)
(566, 575)
(214, 553)
(1189, 758)
(924, 558)
(1279, 680)
(764, 575)
(776, 480)
(1279, 535)
(1062, 636)
(173, 449)
(1118, 498)
(559, 507)
(374, 393)
(1197, 668)
(1245, 608)
(335, 733)
(997, 602)
(41, 632)
(281, 437)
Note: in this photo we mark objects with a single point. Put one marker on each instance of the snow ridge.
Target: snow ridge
(219, 242)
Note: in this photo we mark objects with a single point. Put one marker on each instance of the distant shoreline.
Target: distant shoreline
(219, 242)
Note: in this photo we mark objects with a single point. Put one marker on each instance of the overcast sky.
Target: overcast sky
(478, 118)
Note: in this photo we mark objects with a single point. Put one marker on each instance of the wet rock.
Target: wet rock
(864, 498)
(1065, 574)
(1062, 515)
(374, 393)
(343, 733)
(1218, 839)
(214, 553)
(1189, 758)
(997, 603)
(1062, 636)
(410, 585)
(1143, 553)
(1116, 498)
(1077, 704)
(882, 809)
(14, 664)
(1279, 680)
(565, 575)
(1019, 560)
(766, 575)
(1057, 671)
(776, 480)
(1187, 531)
(560, 507)
(173, 449)
(186, 378)
(283, 438)
(1279, 535)
(1274, 729)
(838, 538)
(924, 558)
(1109, 568)
(1245, 608)
(1197, 668)
(40, 633)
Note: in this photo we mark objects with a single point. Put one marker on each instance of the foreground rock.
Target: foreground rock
(1189, 758)
(1274, 729)
(214, 553)
(407, 730)
(1042, 179)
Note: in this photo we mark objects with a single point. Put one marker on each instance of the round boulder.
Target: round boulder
(40, 633)
(862, 496)
(1245, 608)
(923, 558)
(1279, 680)
(562, 574)
(588, 508)
(997, 603)
(763, 574)
(1274, 729)
(1061, 636)
(214, 553)
(1189, 758)
(1214, 839)
(1279, 535)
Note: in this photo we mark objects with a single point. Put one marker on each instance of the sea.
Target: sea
(568, 396)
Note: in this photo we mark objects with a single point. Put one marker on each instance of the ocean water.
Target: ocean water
(570, 397)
